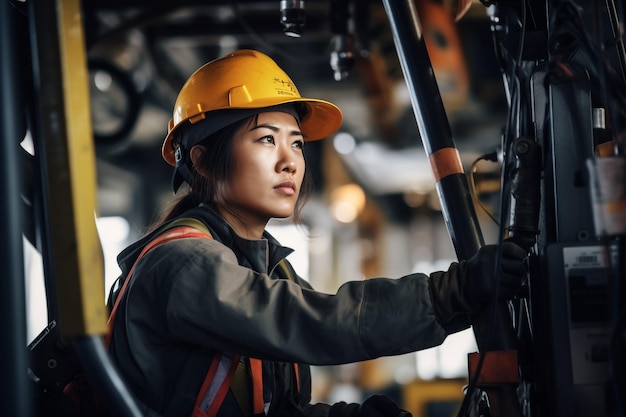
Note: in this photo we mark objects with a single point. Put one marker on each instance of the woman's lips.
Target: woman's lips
(287, 188)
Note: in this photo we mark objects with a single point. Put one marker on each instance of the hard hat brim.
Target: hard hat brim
(321, 120)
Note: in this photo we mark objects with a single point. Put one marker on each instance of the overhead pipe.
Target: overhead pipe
(493, 332)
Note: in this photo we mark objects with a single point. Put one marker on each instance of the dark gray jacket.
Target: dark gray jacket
(190, 297)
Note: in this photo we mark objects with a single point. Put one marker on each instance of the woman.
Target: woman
(236, 139)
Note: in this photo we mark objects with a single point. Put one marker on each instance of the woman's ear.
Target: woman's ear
(195, 154)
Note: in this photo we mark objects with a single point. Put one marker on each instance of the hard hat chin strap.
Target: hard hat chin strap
(183, 170)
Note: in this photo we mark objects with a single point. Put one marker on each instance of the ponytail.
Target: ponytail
(175, 208)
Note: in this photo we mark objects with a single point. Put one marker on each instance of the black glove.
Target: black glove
(381, 406)
(468, 287)
(374, 406)
(479, 274)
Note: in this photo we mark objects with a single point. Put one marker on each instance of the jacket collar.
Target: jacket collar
(261, 255)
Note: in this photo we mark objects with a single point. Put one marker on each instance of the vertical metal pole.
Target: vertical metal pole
(494, 332)
(457, 205)
(15, 399)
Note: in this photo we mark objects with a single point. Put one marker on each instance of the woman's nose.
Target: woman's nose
(287, 161)
(287, 165)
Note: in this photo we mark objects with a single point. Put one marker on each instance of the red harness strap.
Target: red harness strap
(220, 374)
(256, 369)
(215, 385)
(176, 233)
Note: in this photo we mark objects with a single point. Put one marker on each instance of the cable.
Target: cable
(486, 157)
(504, 203)
(522, 35)
(511, 129)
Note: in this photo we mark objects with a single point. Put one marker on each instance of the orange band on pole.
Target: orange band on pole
(445, 161)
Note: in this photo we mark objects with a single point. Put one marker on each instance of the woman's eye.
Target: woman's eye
(299, 144)
(267, 139)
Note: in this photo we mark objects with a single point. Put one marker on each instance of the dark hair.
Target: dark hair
(217, 163)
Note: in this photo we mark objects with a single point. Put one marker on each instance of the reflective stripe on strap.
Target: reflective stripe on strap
(216, 385)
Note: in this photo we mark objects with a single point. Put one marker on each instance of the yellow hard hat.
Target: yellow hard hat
(246, 79)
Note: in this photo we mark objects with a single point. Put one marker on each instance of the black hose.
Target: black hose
(15, 399)
(100, 370)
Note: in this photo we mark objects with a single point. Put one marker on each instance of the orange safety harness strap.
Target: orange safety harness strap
(223, 365)
(215, 385)
(176, 233)
(297, 373)
(256, 370)
(290, 277)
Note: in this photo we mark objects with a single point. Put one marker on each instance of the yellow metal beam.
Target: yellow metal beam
(73, 259)
(81, 158)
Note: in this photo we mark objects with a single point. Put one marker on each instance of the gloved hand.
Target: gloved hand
(468, 287)
(381, 406)
(480, 283)
(374, 406)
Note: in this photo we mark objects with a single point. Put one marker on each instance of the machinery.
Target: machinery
(562, 182)
(558, 350)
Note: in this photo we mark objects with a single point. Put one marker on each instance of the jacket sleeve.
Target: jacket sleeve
(215, 302)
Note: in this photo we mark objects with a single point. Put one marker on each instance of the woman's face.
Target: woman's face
(267, 169)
